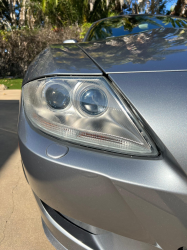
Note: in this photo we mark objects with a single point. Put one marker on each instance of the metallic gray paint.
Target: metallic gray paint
(56, 151)
(51, 238)
(141, 199)
(107, 240)
(62, 59)
(73, 232)
(87, 227)
(161, 98)
(158, 49)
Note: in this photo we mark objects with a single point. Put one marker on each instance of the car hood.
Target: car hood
(154, 50)
(61, 59)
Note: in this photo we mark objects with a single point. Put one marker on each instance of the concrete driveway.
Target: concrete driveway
(20, 221)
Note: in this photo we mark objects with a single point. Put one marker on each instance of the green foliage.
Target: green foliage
(69, 12)
(113, 14)
(103, 9)
(84, 29)
(3, 34)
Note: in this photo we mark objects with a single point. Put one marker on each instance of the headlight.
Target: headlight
(57, 96)
(87, 111)
(93, 101)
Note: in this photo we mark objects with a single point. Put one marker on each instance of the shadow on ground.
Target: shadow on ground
(20, 223)
(8, 129)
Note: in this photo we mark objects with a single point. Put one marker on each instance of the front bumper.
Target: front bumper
(139, 203)
(73, 237)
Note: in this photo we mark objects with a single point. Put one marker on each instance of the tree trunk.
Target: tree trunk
(22, 14)
(12, 11)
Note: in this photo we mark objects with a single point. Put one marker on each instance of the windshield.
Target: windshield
(125, 25)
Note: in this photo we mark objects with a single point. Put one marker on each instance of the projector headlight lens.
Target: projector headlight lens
(57, 96)
(93, 101)
(87, 111)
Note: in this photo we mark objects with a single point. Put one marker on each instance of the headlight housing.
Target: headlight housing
(87, 111)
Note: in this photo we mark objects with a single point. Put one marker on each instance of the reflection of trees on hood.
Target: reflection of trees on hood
(38, 65)
(138, 48)
(130, 24)
(104, 29)
(69, 58)
(176, 22)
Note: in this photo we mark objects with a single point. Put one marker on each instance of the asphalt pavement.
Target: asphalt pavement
(20, 221)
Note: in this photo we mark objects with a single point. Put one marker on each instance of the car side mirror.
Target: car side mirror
(70, 41)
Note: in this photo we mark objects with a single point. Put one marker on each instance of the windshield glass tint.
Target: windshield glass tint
(125, 25)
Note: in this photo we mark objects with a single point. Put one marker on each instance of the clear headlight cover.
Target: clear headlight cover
(87, 111)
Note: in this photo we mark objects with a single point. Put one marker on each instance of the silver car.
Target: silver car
(103, 136)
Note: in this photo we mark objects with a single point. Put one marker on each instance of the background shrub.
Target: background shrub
(18, 48)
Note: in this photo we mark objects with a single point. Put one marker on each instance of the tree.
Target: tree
(13, 14)
(180, 8)
(145, 6)
(8, 16)
(62, 12)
